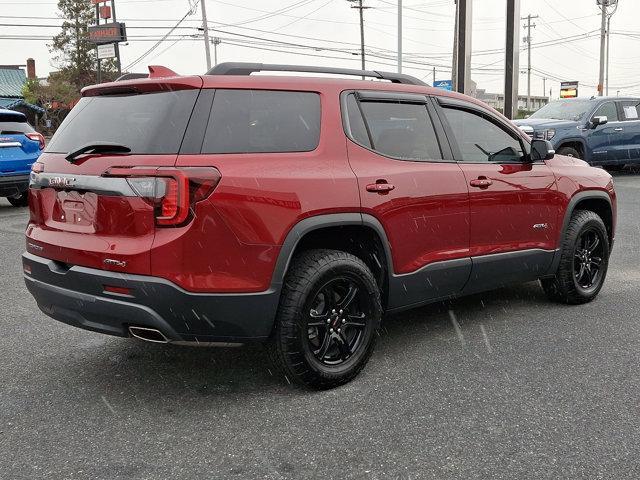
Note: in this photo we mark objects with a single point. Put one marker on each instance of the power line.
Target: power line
(191, 11)
(304, 17)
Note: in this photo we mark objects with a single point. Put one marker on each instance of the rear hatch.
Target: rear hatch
(99, 207)
(17, 150)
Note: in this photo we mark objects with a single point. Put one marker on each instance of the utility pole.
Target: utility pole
(607, 68)
(454, 59)
(98, 66)
(527, 39)
(399, 36)
(462, 46)
(117, 45)
(604, 41)
(603, 28)
(544, 85)
(205, 28)
(434, 77)
(512, 58)
(361, 8)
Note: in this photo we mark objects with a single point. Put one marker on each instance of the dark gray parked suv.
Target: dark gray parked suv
(600, 130)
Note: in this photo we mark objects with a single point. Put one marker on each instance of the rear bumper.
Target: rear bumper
(13, 185)
(76, 296)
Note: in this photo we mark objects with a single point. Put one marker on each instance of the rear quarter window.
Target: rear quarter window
(631, 110)
(263, 121)
(151, 123)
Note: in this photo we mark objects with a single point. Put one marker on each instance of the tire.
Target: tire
(570, 284)
(569, 152)
(21, 200)
(313, 346)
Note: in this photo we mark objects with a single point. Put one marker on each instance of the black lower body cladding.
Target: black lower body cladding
(13, 185)
(77, 296)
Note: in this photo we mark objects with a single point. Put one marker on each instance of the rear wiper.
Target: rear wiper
(97, 147)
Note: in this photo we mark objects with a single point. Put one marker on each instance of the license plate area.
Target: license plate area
(75, 208)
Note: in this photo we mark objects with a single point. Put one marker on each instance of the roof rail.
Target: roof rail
(241, 68)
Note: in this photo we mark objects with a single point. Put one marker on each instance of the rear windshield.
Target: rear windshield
(8, 128)
(263, 121)
(152, 123)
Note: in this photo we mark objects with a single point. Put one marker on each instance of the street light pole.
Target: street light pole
(216, 42)
(205, 27)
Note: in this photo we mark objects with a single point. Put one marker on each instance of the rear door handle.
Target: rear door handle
(380, 187)
(619, 129)
(481, 182)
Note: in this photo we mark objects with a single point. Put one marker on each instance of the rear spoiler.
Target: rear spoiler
(155, 71)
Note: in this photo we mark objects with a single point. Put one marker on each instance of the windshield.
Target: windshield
(564, 110)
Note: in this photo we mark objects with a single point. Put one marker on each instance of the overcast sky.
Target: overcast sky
(326, 32)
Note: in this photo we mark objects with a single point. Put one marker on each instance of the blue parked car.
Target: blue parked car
(20, 147)
(600, 130)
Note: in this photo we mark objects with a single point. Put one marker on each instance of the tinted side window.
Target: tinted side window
(265, 121)
(608, 110)
(401, 130)
(356, 122)
(481, 140)
(631, 110)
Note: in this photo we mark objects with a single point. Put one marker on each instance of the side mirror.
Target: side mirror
(542, 150)
(601, 120)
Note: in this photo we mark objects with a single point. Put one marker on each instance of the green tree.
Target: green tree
(74, 55)
(56, 90)
(30, 90)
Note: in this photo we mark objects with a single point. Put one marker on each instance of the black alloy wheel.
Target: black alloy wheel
(329, 312)
(583, 261)
(588, 258)
(337, 320)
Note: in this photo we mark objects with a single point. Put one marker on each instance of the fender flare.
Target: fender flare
(579, 140)
(571, 206)
(317, 222)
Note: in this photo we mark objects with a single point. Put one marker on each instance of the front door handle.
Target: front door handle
(381, 187)
(481, 182)
(619, 129)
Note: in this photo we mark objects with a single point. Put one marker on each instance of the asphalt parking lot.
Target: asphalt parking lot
(500, 385)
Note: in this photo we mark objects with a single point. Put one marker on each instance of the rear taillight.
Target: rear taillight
(36, 137)
(172, 191)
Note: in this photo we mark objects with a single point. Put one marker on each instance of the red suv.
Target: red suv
(228, 208)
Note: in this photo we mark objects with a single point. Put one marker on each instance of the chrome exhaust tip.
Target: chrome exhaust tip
(148, 334)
